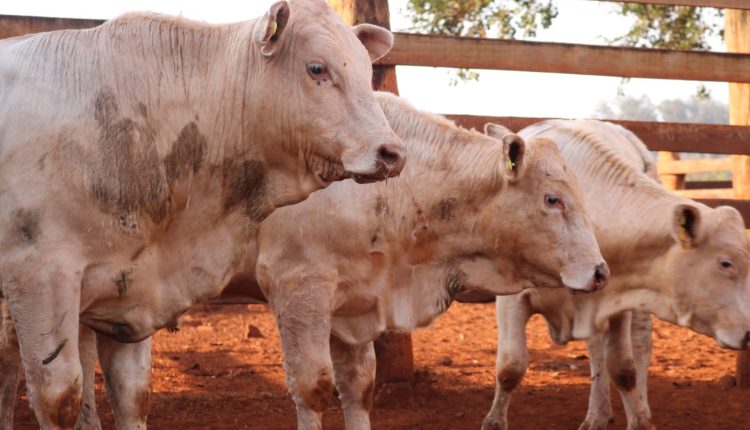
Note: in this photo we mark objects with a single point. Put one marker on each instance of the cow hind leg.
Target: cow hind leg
(88, 419)
(354, 375)
(10, 368)
(599, 414)
(127, 376)
(622, 371)
(512, 314)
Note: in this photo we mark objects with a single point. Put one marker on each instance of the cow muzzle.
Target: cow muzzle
(389, 162)
(585, 278)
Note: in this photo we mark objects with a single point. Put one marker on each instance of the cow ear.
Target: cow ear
(377, 40)
(686, 225)
(269, 30)
(514, 152)
(496, 130)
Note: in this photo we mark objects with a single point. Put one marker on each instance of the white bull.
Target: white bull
(137, 157)
(670, 256)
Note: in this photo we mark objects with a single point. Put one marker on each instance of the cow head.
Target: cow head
(541, 220)
(707, 273)
(314, 75)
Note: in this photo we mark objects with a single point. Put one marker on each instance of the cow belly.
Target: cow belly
(129, 300)
(358, 329)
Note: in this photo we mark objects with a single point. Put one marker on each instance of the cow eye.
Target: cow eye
(316, 70)
(553, 201)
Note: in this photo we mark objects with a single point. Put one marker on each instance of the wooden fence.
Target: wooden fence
(394, 351)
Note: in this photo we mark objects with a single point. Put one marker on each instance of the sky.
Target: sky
(499, 93)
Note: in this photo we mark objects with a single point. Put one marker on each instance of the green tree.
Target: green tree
(668, 27)
(480, 18)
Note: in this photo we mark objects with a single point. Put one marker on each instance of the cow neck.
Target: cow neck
(432, 206)
(636, 240)
(450, 172)
(217, 65)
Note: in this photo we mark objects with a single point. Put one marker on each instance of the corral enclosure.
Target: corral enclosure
(686, 372)
(212, 374)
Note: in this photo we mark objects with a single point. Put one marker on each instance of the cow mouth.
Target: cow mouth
(367, 179)
(327, 170)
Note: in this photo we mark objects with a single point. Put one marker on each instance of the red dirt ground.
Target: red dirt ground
(211, 375)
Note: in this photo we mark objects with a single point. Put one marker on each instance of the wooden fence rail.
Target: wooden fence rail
(14, 25)
(658, 136)
(464, 52)
(502, 54)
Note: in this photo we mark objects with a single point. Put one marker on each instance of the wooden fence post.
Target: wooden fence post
(395, 360)
(737, 37)
(672, 182)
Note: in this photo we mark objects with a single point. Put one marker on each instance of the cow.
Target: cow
(353, 261)
(670, 256)
(136, 159)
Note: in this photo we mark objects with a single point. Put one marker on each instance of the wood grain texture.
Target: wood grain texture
(395, 358)
(670, 181)
(701, 165)
(737, 37)
(503, 54)
(658, 136)
(13, 25)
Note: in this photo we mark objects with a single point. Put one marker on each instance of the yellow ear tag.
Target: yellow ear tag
(510, 165)
(275, 29)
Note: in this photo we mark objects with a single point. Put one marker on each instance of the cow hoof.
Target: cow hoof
(595, 424)
(641, 425)
(492, 423)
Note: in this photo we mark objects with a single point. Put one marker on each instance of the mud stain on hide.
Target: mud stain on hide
(245, 185)
(55, 353)
(122, 281)
(26, 225)
(67, 407)
(128, 177)
(318, 397)
(187, 154)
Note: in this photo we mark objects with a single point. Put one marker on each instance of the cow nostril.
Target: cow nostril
(601, 275)
(390, 154)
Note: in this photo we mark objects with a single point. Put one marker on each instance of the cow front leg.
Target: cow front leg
(304, 321)
(45, 315)
(10, 368)
(599, 414)
(127, 377)
(640, 335)
(512, 314)
(88, 419)
(354, 376)
(621, 367)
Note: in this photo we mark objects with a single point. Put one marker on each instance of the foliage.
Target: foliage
(670, 27)
(478, 18)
